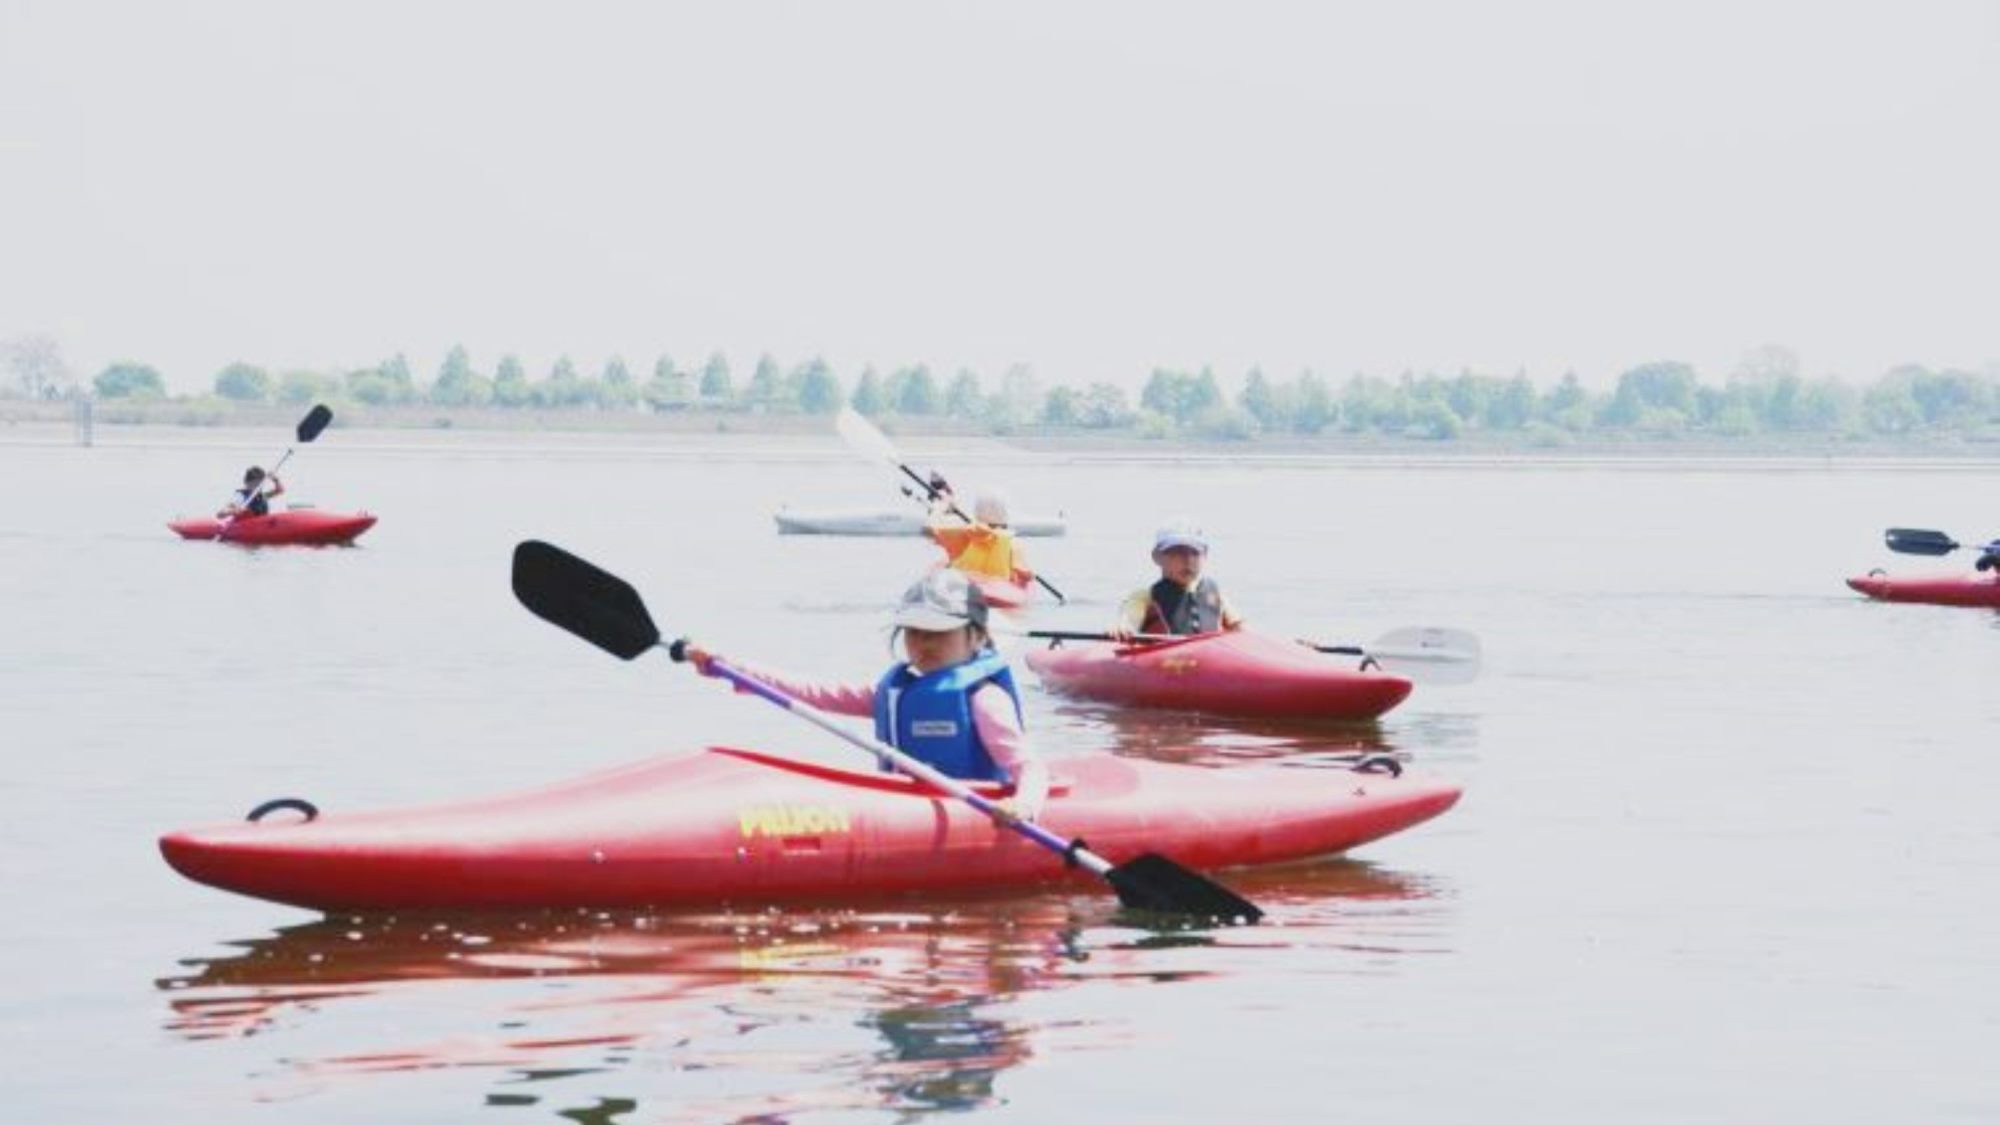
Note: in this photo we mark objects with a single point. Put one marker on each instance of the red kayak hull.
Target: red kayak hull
(308, 526)
(1001, 593)
(1978, 590)
(1238, 674)
(732, 826)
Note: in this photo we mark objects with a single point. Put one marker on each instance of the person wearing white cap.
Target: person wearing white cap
(952, 703)
(984, 547)
(1182, 601)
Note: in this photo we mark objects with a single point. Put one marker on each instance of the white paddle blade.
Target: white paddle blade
(1431, 654)
(862, 436)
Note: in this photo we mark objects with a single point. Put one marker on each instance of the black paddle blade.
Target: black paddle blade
(1917, 541)
(596, 605)
(1154, 882)
(314, 421)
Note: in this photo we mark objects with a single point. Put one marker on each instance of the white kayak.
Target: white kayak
(901, 521)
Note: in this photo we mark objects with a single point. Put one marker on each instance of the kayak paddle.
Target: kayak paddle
(309, 427)
(603, 609)
(864, 438)
(1919, 541)
(1428, 654)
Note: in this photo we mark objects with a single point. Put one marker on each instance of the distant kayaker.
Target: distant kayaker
(252, 499)
(985, 546)
(1182, 601)
(952, 704)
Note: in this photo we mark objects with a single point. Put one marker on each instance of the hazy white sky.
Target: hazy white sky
(1091, 188)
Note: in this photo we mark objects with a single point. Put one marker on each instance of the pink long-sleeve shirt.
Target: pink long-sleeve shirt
(992, 711)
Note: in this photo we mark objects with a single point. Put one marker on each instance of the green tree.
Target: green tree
(1433, 418)
(1650, 388)
(295, 387)
(1948, 399)
(715, 381)
(130, 380)
(1513, 406)
(1061, 407)
(386, 384)
(964, 399)
(1467, 394)
(563, 387)
(1369, 402)
(1888, 407)
(766, 390)
(1180, 395)
(1261, 401)
(1225, 423)
(369, 385)
(820, 391)
(1104, 407)
(1734, 419)
(1018, 401)
(1568, 405)
(1829, 406)
(510, 384)
(868, 398)
(243, 382)
(668, 389)
(1312, 406)
(915, 391)
(457, 384)
(616, 389)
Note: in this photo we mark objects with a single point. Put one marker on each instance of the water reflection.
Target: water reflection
(1188, 738)
(724, 1016)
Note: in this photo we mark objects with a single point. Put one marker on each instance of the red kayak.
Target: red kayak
(1235, 673)
(1981, 590)
(1002, 593)
(296, 525)
(734, 826)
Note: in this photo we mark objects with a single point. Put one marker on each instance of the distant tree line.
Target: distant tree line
(1765, 394)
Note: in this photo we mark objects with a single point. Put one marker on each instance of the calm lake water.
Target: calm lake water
(1728, 850)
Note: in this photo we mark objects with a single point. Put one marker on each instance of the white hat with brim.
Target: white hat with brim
(1171, 537)
(941, 601)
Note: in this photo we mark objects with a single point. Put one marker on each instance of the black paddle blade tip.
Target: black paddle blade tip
(1154, 882)
(572, 594)
(1919, 541)
(315, 420)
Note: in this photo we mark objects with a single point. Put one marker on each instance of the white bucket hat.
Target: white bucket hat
(941, 601)
(1180, 532)
(990, 508)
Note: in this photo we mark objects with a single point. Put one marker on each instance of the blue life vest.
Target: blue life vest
(930, 717)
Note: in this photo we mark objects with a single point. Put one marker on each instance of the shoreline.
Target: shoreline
(811, 438)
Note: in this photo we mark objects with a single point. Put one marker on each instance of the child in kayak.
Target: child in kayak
(251, 499)
(984, 547)
(952, 704)
(1182, 601)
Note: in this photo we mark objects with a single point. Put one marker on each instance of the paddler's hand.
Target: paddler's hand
(1021, 809)
(698, 656)
(1030, 792)
(1120, 634)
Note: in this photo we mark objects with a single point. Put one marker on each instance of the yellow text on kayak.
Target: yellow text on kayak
(791, 820)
